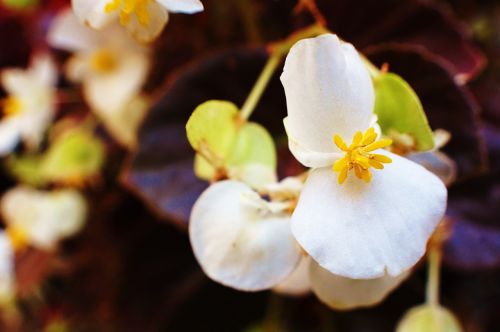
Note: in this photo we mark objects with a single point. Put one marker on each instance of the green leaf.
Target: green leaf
(245, 150)
(20, 4)
(73, 157)
(211, 129)
(429, 318)
(399, 110)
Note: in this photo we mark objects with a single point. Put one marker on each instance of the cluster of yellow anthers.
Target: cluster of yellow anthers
(127, 8)
(358, 156)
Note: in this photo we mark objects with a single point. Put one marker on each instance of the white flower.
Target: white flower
(42, 218)
(354, 222)
(112, 67)
(144, 19)
(29, 107)
(7, 274)
(241, 240)
(244, 241)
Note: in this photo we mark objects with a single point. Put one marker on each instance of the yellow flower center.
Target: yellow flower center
(11, 106)
(127, 8)
(103, 61)
(18, 237)
(358, 157)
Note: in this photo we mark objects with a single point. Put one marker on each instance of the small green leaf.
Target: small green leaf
(399, 110)
(245, 150)
(73, 157)
(20, 4)
(213, 125)
(429, 318)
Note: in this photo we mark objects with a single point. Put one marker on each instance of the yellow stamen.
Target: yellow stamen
(11, 106)
(103, 61)
(127, 8)
(357, 156)
(18, 237)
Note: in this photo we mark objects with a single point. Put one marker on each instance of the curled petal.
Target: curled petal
(238, 242)
(438, 163)
(308, 157)
(328, 91)
(344, 293)
(365, 230)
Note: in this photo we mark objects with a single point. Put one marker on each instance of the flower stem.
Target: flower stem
(260, 86)
(277, 51)
(434, 265)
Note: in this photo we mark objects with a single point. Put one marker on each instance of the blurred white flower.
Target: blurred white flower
(42, 218)
(29, 106)
(144, 19)
(355, 224)
(7, 273)
(112, 67)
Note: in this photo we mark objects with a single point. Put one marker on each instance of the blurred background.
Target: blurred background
(131, 268)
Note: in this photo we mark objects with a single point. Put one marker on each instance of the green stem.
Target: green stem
(278, 50)
(260, 86)
(434, 265)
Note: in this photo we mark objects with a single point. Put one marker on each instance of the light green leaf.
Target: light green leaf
(429, 318)
(211, 129)
(73, 157)
(245, 150)
(20, 4)
(399, 110)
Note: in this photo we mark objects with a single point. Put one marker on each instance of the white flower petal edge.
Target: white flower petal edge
(92, 12)
(344, 293)
(307, 157)
(182, 6)
(438, 163)
(298, 283)
(238, 241)
(44, 217)
(328, 91)
(364, 231)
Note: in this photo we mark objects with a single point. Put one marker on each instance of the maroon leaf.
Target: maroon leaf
(425, 24)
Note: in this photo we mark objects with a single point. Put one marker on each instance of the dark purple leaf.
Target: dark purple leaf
(425, 24)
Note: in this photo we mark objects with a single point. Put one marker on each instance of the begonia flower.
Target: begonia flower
(112, 68)
(144, 19)
(244, 241)
(364, 212)
(42, 218)
(29, 107)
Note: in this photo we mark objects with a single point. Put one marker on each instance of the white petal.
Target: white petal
(438, 163)
(307, 157)
(328, 91)
(237, 242)
(344, 293)
(92, 12)
(255, 175)
(67, 33)
(158, 18)
(361, 230)
(182, 6)
(9, 135)
(44, 217)
(298, 282)
(112, 91)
